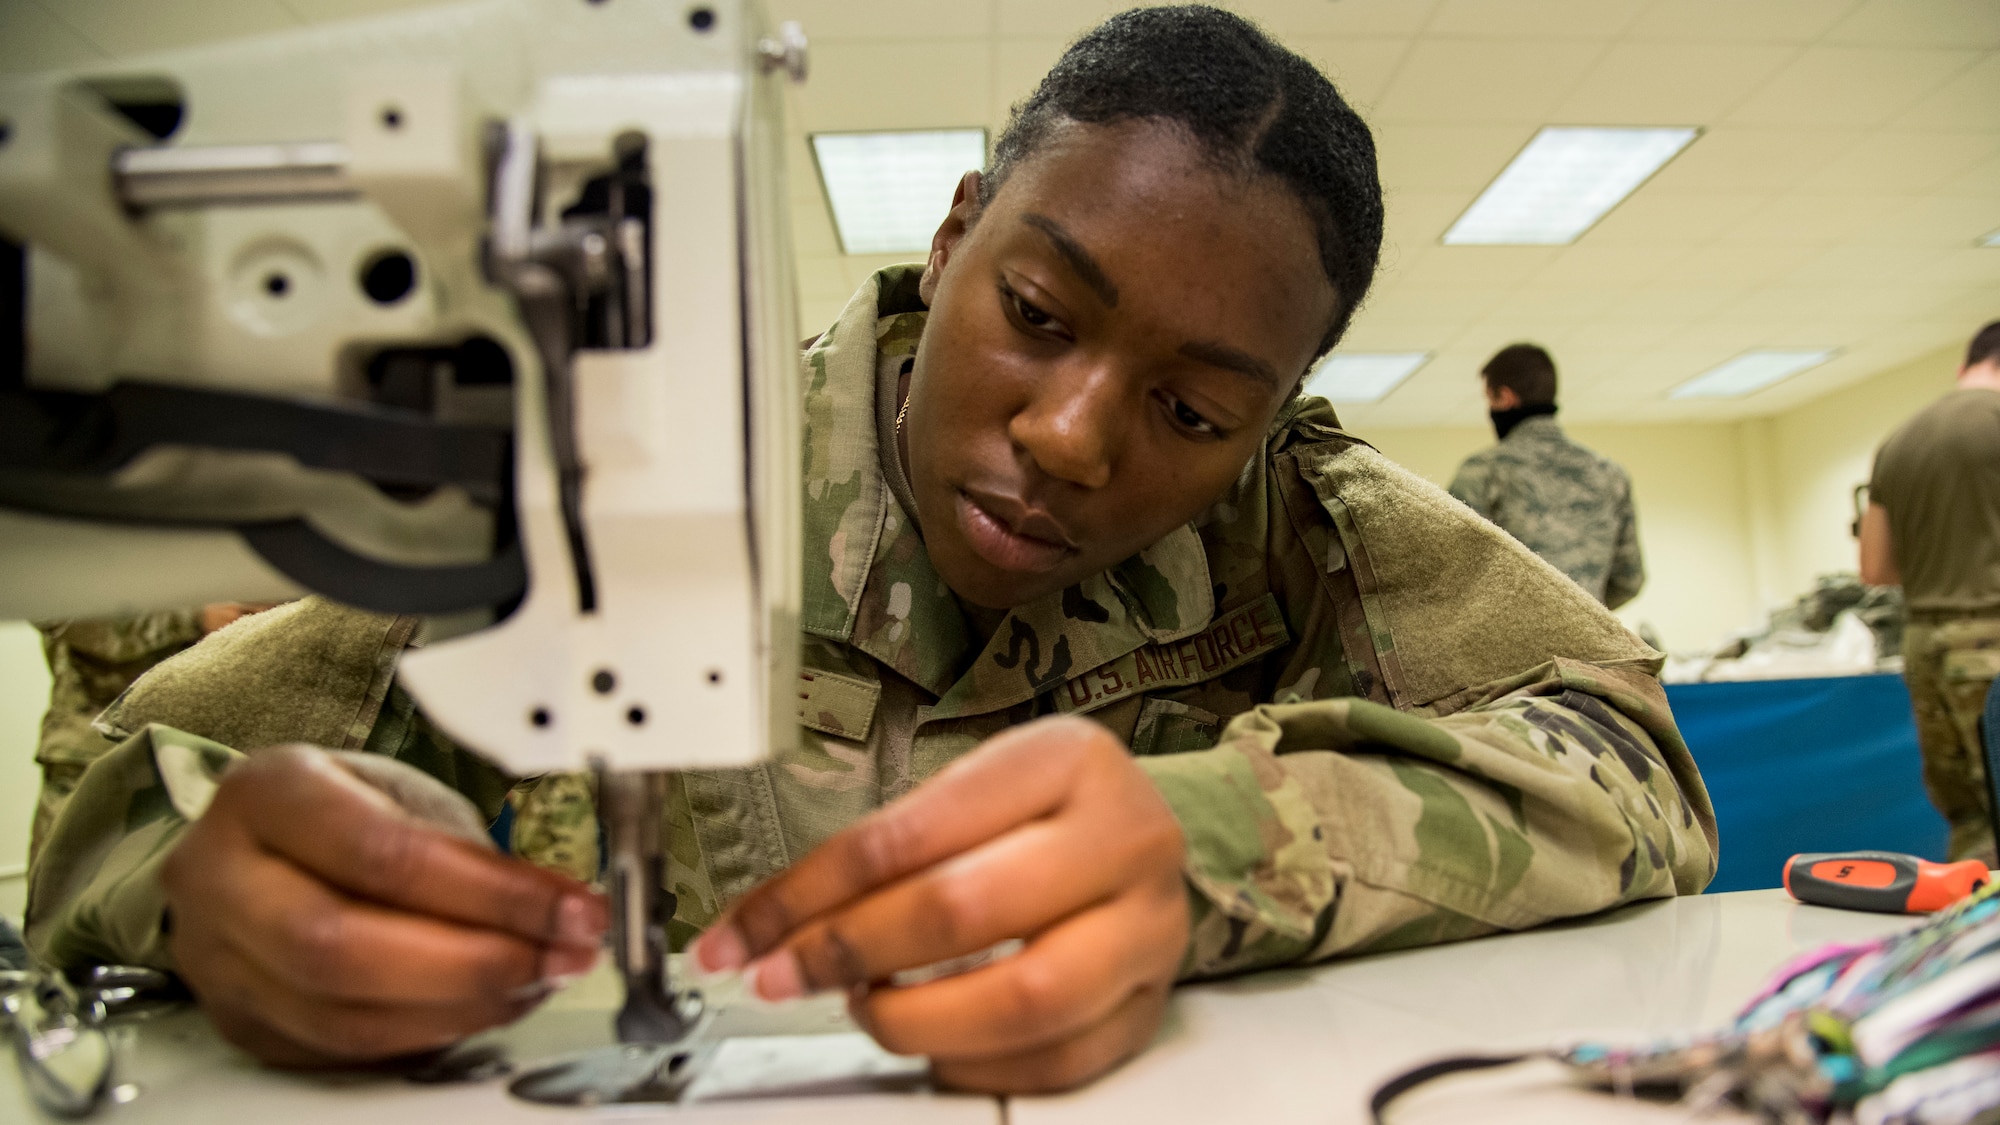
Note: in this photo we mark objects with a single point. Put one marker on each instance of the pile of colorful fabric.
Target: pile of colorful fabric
(1904, 1030)
(1900, 1031)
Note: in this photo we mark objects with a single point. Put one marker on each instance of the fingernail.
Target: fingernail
(720, 950)
(778, 977)
(563, 963)
(578, 922)
(535, 990)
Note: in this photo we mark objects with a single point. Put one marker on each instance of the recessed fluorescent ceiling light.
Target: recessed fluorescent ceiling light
(889, 191)
(1991, 239)
(1562, 183)
(1751, 371)
(1362, 376)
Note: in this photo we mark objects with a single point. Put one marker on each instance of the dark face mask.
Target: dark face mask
(1504, 421)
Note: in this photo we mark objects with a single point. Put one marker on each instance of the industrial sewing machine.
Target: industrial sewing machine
(482, 313)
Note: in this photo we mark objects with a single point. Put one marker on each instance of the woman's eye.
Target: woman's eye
(1191, 419)
(1033, 316)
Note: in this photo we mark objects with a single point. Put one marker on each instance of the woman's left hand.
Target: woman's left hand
(1049, 833)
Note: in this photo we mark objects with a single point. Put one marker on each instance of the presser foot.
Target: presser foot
(648, 1017)
(621, 1074)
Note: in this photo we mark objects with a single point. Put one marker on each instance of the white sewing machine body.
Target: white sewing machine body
(482, 306)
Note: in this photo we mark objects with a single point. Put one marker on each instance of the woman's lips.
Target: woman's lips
(1001, 545)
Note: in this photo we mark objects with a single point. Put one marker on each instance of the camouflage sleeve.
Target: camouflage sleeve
(1473, 486)
(90, 662)
(1628, 569)
(94, 894)
(1343, 826)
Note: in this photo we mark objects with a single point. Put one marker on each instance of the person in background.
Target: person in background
(92, 660)
(1933, 526)
(1563, 502)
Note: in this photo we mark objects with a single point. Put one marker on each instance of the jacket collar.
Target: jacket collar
(869, 581)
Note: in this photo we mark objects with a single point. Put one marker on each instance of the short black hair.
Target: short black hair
(1253, 104)
(1528, 369)
(1985, 345)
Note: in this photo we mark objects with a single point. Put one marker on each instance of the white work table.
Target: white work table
(1305, 1045)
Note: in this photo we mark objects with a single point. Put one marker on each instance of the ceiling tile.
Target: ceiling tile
(1728, 159)
(1898, 162)
(1439, 310)
(1674, 302)
(1982, 182)
(1503, 267)
(1288, 18)
(1867, 265)
(125, 29)
(1727, 266)
(1466, 81)
(1816, 219)
(1418, 219)
(1970, 101)
(32, 39)
(1018, 67)
(1587, 263)
(1941, 221)
(1543, 307)
(1921, 23)
(1970, 265)
(1428, 158)
(1552, 19)
(1765, 21)
(1360, 67)
(1671, 83)
(1049, 19)
(870, 85)
(1656, 219)
(830, 21)
(1850, 86)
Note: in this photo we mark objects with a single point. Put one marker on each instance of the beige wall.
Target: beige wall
(1734, 517)
(24, 693)
(1821, 450)
(1693, 522)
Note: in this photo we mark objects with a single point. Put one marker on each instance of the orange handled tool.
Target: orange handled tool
(1887, 882)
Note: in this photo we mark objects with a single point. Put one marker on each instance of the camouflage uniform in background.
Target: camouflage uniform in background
(1380, 722)
(1563, 502)
(92, 660)
(1949, 662)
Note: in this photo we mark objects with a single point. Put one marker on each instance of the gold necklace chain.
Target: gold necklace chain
(902, 413)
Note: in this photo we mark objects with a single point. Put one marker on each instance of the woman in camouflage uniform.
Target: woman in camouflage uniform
(1114, 644)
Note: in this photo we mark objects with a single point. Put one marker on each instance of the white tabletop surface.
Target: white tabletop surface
(1305, 1045)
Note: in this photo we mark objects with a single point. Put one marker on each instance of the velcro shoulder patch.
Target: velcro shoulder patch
(842, 706)
(1236, 637)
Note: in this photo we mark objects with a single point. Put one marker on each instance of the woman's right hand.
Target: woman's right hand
(319, 923)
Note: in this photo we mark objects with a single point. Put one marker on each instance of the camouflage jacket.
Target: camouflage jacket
(1563, 502)
(92, 660)
(1380, 722)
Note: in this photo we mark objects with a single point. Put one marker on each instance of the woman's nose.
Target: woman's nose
(1074, 427)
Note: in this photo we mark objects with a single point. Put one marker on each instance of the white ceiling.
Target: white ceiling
(1850, 162)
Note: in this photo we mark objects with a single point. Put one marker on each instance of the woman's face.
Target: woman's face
(1108, 341)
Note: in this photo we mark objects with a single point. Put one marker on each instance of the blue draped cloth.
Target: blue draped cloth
(1817, 765)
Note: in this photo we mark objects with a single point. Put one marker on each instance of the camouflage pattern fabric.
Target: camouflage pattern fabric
(1563, 502)
(1949, 662)
(1380, 722)
(90, 662)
